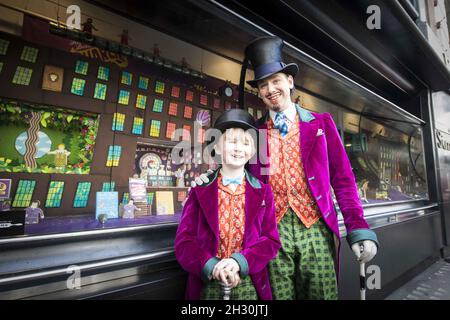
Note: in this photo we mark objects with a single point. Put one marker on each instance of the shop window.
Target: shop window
(103, 73)
(125, 197)
(4, 44)
(114, 153)
(118, 122)
(138, 125)
(78, 86)
(24, 193)
(100, 91)
(160, 87)
(81, 67)
(173, 109)
(186, 132)
(171, 127)
(204, 99)
(158, 105)
(155, 128)
(188, 112)
(175, 92)
(29, 54)
(189, 95)
(216, 103)
(143, 83)
(82, 195)
(124, 97)
(127, 78)
(54, 195)
(141, 101)
(22, 76)
(108, 186)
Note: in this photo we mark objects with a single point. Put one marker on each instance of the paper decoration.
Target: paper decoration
(173, 109)
(113, 156)
(138, 125)
(82, 195)
(127, 78)
(118, 122)
(143, 83)
(22, 76)
(141, 101)
(78, 86)
(29, 54)
(164, 202)
(107, 204)
(171, 127)
(100, 91)
(158, 105)
(188, 112)
(52, 78)
(124, 97)
(81, 67)
(160, 87)
(155, 128)
(103, 73)
(54, 194)
(24, 193)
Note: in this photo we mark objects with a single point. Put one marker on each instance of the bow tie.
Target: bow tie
(280, 123)
(227, 181)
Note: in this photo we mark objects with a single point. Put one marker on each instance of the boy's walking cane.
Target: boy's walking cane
(226, 291)
(362, 277)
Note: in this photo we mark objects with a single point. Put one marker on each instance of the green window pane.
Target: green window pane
(127, 78)
(82, 195)
(81, 67)
(29, 54)
(143, 83)
(4, 44)
(159, 87)
(141, 101)
(124, 97)
(126, 198)
(1, 66)
(150, 197)
(78, 86)
(155, 128)
(100, 91)
(103, 73)
(24, 193)
(113, 156)
(118, 122)
(54, 194)
(108, 186)
(138, 125)
(22, 76)
(158, 105)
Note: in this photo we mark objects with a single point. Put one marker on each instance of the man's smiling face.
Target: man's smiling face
(275, 91)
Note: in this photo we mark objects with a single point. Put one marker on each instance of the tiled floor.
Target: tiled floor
(431, 284)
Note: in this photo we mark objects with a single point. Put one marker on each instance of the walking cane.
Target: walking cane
(226, 291)
(362, 277)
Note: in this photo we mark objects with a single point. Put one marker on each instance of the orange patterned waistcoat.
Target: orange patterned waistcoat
(287, 178)
(231, 219)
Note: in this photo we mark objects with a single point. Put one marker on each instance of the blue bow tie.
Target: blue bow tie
(280, 123)
(227, 181)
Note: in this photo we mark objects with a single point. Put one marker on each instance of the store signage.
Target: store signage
(443, 140)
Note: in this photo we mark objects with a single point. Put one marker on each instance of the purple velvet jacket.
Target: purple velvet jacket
(197, 237)
(326, 165)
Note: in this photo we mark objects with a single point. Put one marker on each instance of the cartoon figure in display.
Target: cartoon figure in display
(33, 213)
(88, 26)
(179, 174)
(61, 155)
(129, 209)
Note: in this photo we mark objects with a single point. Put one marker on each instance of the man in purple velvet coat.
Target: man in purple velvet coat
(304, 159)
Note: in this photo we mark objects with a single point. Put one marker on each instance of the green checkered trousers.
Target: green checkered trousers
(244, 291)
(304, 266)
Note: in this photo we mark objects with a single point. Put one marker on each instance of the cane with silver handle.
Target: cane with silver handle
(362, 276)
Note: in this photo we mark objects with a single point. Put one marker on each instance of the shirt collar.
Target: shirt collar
(290, 113)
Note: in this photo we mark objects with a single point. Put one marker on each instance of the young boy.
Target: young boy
(228, 232)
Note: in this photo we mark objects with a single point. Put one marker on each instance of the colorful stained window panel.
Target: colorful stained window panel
(24, 193)
(54, 194)
(150, 196)
(158, 105)
(82, 195)
(186, 132)
(138, 125)
(78, 86)
(100, 91)
(4, 44)
(118, 122)
(141, 101)
(103, 73)
(125, 198)
(171, 127)
(189, 95)
(127, 78)
(173, 109)
(188, 112)
(114, 153)
(204, 99)
(22, 76)
(143, 83)
(29, 54)
(155, 128)
(81, 67)
(160, 87)
(175, 92)
(108, 186)
(124, 97)
(216, 103)
(201, 135)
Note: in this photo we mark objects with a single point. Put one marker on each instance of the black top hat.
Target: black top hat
(264, 55)
(235, 118)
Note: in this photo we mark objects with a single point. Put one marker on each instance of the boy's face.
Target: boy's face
(275, 91)
(236, 146)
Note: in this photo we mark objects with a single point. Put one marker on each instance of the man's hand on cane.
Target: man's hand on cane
(364, 250)
(227, 271)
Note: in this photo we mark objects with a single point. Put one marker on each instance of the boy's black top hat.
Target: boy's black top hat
(235, 118)
(264, 55)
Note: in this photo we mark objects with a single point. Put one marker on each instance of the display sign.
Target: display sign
(164, 202)
(107, 203)
(5, 188)
(138, 190)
